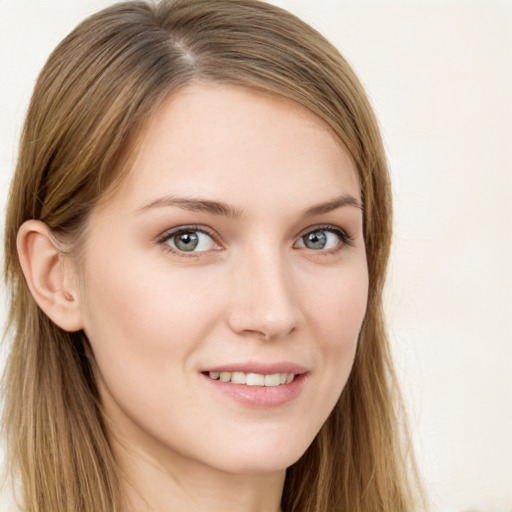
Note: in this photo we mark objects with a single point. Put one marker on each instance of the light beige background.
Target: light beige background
(439, 74)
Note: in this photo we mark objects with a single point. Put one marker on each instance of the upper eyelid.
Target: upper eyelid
(168, 233)
(325, 227)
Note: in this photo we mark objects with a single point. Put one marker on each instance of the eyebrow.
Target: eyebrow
(195, 205)
(226, 210)
(329, 206)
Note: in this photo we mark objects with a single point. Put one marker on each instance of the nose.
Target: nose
(264, 302)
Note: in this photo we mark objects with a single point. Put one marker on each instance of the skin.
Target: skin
(157, 318)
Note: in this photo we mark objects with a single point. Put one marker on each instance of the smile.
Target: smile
(258, 384)
(253, 379)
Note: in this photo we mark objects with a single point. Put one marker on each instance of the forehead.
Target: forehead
(232, 143)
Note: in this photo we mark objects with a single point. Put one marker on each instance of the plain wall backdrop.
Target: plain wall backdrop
(439, 74)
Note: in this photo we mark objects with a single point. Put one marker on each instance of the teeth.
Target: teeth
(238, 378)
(273, 380)
(253, 379)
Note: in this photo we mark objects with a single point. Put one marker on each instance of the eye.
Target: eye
(324, 239)
(189, 240)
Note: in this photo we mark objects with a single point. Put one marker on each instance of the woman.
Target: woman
(196, 244)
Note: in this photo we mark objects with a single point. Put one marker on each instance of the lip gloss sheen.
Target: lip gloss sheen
(259, 396)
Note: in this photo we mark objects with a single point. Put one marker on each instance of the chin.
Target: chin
(260, 458)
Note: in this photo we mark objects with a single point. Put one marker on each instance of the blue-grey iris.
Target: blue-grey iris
(186, 241)
(315, 240)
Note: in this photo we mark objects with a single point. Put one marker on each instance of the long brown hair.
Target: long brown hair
(91, 102)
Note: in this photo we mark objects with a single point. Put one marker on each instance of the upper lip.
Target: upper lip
(260, 368)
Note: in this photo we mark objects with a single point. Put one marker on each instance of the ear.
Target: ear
(49, 275)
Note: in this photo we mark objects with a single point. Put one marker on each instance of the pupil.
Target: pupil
(186, 241)
(315, 240)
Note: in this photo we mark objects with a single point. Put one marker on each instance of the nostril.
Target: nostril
(265, 307)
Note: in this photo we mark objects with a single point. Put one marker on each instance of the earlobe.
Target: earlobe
(47, 275)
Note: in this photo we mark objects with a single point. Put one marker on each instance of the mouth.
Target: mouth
(258, 385)
(253, 379)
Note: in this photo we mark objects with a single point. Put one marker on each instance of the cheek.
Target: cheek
(338, 306)
(336, 314)
(143, 326)
(139, 304)
(145, 322)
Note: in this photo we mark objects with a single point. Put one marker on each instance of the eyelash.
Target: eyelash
(167, 235)
(345, 239)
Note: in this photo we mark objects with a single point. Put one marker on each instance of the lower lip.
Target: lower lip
(260, 396)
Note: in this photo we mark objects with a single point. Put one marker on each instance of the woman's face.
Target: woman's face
(233, 252)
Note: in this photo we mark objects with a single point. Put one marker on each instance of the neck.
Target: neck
(171, 482)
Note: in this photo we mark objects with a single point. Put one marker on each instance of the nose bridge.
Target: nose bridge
(264, 302)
